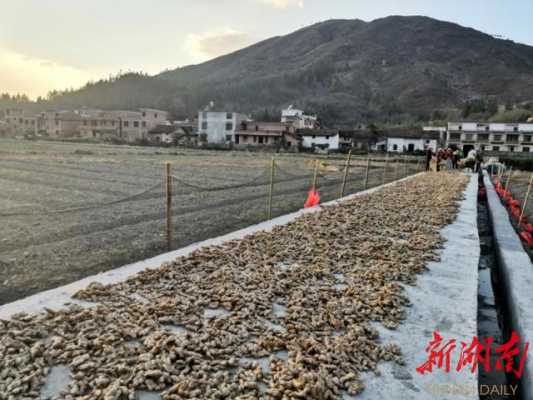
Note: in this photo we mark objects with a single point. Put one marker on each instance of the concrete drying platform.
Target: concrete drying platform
(444, 300)
(516, 271)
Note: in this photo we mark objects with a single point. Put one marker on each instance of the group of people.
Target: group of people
(450, 159)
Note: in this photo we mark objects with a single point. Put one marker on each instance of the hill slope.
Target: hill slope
(395, 68)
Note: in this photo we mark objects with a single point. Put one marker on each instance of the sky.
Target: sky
(60, 44)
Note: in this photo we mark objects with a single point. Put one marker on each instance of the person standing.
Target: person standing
(455, 158)
(429, 156)
(449, 159)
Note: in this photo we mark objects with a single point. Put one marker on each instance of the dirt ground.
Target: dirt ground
(518, 186)
(70, 210)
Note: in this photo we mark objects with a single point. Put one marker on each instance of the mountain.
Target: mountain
(391, 69)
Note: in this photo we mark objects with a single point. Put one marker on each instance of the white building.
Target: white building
(440, 130)
(403, 144)
(320, 139)
(497, 137)
(219, 127)
(298, 119)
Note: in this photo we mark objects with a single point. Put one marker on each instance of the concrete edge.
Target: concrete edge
(59, 297)
(516, 271)
(445, 299)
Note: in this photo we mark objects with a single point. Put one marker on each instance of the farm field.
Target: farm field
(518, 187)
(70, 210)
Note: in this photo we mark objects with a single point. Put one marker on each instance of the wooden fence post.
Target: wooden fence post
(346, 168)
(168, 186)
(524, 204)
(315, 176)
(385, 169)
(509, 178)
(366, 172)
(271, 191)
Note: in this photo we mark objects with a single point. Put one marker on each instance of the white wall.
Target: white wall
(493, 127)
(399, 144)
(298, 119)
(332, 142)
(216, 129)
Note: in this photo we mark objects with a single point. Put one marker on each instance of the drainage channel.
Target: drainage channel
(492, 313)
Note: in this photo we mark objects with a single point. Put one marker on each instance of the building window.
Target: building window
(204, 125)
(460, 127)
(144, 124)
(525, 149)
(229, 126)
(112, 123)
(482, 147)
(228, 138)
(497, 138)
(260, 139)
(527, 138)
(481, 137)
(511, 148)
(394, 147)
(495, 148)
(512, 138)
(144, 114)
(57, 122)
(135, 124)
(204, 115)
(94, 122)
(255, 139)
(455, 136)
(469, 137)
(126, 124)
(155, 115)
(515, 129)
(486, 128)
(229, 115)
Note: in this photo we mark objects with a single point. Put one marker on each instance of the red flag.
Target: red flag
(313, 199)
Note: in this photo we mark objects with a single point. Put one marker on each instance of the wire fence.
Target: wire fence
(279, 188)
(516, 191)
(97, 218)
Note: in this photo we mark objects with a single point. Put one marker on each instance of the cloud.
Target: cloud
(212, 44)
(283, 3)
(20, 73)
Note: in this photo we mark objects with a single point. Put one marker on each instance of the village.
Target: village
(266, 200)
(296, 131)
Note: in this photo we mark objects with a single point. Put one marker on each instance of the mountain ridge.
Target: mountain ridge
(394, 69)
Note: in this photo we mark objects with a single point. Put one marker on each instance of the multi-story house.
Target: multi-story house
(253, 133)
(298, 118)
(219, 127)
(98, 124)
(127, 125)
(20, 121)
(492, 137)
(58, 124)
